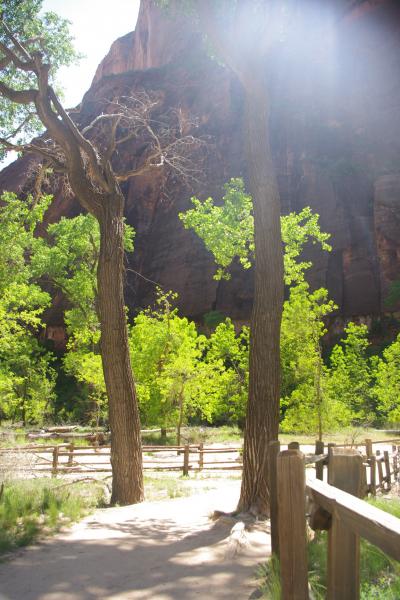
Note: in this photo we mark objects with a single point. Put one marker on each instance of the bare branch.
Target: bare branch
(16, 43)
(96, 121)
(10, 56)
(16, 131)
(85, 145)
(112, 142)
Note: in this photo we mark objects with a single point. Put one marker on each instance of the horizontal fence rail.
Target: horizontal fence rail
(70, 458)
(381, 468)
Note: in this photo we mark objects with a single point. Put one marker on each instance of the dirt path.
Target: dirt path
(166, 550)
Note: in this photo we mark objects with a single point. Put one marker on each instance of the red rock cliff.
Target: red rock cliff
(336, 140)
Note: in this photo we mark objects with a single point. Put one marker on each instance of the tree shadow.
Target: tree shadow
(137, 557)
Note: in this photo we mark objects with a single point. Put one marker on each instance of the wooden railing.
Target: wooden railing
(70, 458)
(333, 506)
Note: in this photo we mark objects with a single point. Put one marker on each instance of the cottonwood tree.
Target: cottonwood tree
(85, 157)
(352, 374)
(244, 35)
(166, 352)
(229, 230)
(242, 42)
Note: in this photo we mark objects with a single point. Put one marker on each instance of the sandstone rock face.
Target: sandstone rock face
(336, 140)
(387, 230)
(160, 37)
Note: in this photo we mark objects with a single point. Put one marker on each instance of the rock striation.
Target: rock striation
(335, 137)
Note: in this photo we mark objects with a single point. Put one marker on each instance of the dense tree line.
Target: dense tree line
(182, 374)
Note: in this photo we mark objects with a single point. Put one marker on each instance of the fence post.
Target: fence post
(201, 456)
(387, 469)
(372, 462)
(55, 461)
(273, 451)
(368, 448)
(395, 466)
(319, 466)
(71, 454)
(186, 460)
(380, 470)
(292, 525)
(345, 472)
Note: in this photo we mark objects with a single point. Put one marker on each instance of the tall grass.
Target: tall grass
(29, 508)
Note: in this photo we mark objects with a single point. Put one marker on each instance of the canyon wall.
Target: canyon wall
(335, 120)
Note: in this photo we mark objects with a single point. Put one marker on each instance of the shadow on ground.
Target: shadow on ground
(162, 550)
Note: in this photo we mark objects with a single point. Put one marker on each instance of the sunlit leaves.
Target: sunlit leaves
(387, 389)
(27, 379)
(351, 374)
(45, 32)
(228, 232)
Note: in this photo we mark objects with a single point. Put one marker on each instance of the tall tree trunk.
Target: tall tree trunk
(126, 450)
(262, 416)
(318, 390)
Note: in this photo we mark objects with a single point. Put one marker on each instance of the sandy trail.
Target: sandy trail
(156, 550)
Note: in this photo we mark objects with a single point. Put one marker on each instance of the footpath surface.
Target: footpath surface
(168, 550)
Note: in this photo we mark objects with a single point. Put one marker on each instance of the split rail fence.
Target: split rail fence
(70, 458)
(334, 505)
(382, 467)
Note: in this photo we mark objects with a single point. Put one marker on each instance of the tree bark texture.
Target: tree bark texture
(126, 451)
(95, 185)
(262, 417)
(246, 59)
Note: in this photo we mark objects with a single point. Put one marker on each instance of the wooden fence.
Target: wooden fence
(334, 505)
(74, 458)
(70, 458)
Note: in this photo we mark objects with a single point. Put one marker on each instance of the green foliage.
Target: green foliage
(182, 375)
(165, 352)
(47, 33)
(26, 377)
(269, 575)
(226, 378)
(387, 388)
(213, 318)
(27, 507)
(227, 230)
(305, 405)
(393, 296)
(299, 229)
(67, 259)
(351, 374)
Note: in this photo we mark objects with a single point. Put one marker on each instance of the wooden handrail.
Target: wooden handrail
(375, 525)
(337, 508)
